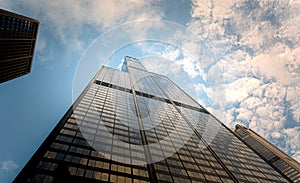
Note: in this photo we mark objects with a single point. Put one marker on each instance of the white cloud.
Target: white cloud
(162, 66)
(296, 156)
(240, 89)
(256, 43)
(8, 165)
(244, 114)
(188, 66)
(77, 22)
(292, 136)
(67, 17)
(276, 135)
(170, 54)
(293, 98)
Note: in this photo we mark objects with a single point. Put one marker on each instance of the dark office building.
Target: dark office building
(274, 156)
(137, 126)
(17, 42)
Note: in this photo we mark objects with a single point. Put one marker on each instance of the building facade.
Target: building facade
(18, 36)
(274, 156)
(137, 126)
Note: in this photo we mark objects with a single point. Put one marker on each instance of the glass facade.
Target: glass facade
(18, 35)
(274, 156)
(137, 126)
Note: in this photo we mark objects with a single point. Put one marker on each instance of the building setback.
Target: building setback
(138, 126)
(18, 36)
(274, 156)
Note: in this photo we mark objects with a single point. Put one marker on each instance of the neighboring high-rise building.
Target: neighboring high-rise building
(17, 42)
(138, 126)
(274, 156)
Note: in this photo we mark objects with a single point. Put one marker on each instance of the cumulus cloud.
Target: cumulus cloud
(8, 165)
(256, 45)
(240, 89)
(189, 66)
(296, 156)
(70, 17)
(77, 23)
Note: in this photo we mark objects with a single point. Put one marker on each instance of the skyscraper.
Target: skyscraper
(137, 126)
(17, 42)
(274, 156)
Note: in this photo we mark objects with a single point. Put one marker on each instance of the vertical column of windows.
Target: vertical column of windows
(173, 91)
(225, 143)
(112, 109)
(167, 120)
(142, 82)
(72, 149)
(234, 153)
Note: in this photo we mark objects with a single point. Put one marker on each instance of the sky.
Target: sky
(239, 58)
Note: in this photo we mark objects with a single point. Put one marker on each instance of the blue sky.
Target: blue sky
(239, 59)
